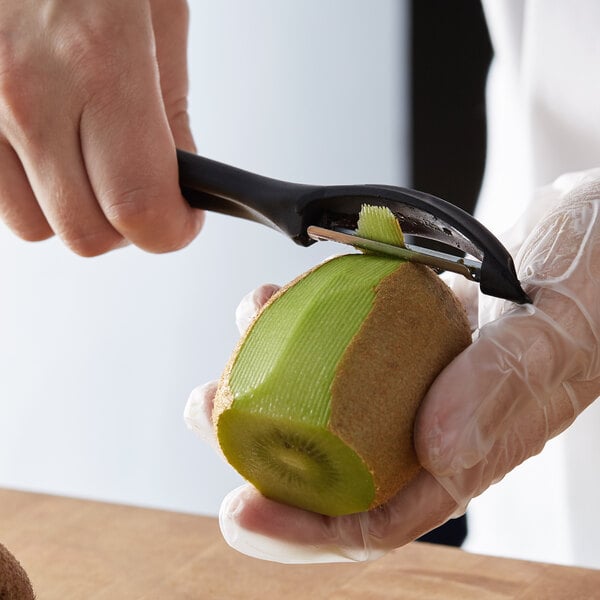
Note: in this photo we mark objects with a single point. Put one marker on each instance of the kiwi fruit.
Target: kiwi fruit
(14, 582)
(316, 406)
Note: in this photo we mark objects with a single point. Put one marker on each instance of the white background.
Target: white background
(97, 356)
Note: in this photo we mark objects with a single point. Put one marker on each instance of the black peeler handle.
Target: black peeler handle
(291, 207)
(221, 188)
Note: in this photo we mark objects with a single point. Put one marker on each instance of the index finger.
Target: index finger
(129, 151)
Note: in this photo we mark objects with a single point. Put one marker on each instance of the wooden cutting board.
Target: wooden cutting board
(81, 550)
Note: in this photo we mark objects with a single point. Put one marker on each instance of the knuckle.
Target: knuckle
(11, 77)
(88, 35)
(93, 50)
(91, 55)
(130, 207)
(17, 81)
(83, 229)
(9, 57)
(82, 62)
(93, 243)
(177, 109)
(29, 229)
(144, 216)
(33, 232)
(21, 213)
(179, 122)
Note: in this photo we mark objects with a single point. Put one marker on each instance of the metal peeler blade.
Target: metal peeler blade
(307, 213)
(439, 261)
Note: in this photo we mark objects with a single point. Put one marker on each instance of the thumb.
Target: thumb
(533, 368)
(508, 385)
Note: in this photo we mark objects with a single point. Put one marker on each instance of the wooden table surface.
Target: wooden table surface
(76, 549)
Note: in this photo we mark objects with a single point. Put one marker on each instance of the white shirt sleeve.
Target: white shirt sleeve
(542, 97)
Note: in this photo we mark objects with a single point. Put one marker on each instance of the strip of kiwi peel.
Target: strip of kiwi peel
(317, 403)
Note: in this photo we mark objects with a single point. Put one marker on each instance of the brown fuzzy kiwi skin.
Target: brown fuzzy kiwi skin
(14, 582)
(415, 328)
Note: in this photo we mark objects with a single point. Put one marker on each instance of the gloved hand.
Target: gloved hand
(92, 106)
(528, 374)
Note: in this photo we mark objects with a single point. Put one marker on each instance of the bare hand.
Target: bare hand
(92, 106)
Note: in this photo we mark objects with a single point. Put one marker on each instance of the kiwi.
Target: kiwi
(316, 406)
(14, 582)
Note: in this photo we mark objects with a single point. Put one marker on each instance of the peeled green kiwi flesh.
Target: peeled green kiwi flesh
(316, 406)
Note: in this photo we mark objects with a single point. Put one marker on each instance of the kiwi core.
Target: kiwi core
(299, 464)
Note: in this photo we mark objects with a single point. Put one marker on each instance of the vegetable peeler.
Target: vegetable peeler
(309, 213)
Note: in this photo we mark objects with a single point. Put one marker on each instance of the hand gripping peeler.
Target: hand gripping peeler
(309, 213)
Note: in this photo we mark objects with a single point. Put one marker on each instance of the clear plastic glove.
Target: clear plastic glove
(528, 374)
(93, 102)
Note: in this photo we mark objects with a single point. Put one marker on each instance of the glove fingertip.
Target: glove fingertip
(197, 413)
(265, 529)
(251, 303)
